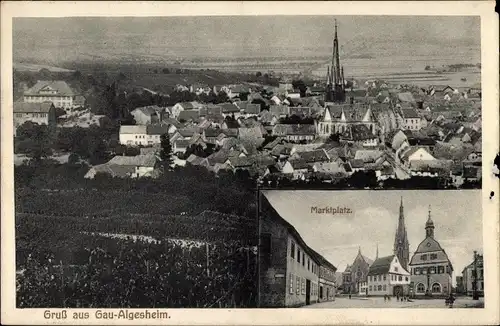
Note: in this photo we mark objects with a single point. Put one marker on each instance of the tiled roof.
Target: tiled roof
(22, 107)
(148, 160)
(352, 112)
(149, 110)
(133, 130)
(301, 111)
(229, 108)
(410, 114)
(368, 156)
(156, 129)
(356, 164)
(254, 132)
(296, 130)
(116, 171)
(299, 164)
(187, 132)
(318, 155)
(189, 115)
(381, 265)
(60, 86)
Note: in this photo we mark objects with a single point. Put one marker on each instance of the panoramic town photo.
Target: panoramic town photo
(140, 142)
(371, 249)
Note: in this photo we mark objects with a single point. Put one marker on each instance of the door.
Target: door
(398, 291)
(308, 292)
(321, 292)
(327, 294)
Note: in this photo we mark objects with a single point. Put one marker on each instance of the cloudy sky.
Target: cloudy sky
(457, 218)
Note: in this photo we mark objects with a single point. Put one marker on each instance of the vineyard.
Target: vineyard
(65, 263)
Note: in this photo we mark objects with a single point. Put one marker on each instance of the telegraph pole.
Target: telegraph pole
(475, 295)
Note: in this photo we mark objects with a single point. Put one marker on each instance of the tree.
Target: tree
(166, 70)
(34, 140)
(166, 152)
(301, 86)
(258, 74)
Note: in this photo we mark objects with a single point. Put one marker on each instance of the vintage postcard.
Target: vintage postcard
(242, 162)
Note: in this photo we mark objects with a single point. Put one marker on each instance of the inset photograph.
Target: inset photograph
(370, 249)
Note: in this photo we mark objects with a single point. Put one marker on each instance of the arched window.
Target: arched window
(327, 129)
(420, 288)
(436, 288)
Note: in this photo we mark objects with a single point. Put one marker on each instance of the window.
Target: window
(291, 283)
(400, 278)
(384, 277)
(19, 115)
(380, 287)
(308, 263)
(434, 256)
(423, 257)
(303, 286)
(370, 288)
(297, 289)
(292, 251)
(406, 278)
(298, 255)
(303, 259)
(448, 269)
(420, 288)
(432, 270)
(385, 287)
(436, 288)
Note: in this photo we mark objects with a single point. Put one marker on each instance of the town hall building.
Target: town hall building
(431, 269)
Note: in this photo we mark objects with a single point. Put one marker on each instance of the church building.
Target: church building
(430, 268)
(335, 84)
(354, 278)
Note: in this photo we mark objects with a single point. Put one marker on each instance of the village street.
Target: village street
(378, 302)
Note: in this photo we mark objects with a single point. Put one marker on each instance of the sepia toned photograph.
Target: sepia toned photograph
(371, 249)
(176, 162)
(136, 160)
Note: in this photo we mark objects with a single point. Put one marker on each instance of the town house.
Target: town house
(40, 113)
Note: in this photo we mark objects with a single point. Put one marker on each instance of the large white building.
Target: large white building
(58, 92)
(387, 276)
(141, 135)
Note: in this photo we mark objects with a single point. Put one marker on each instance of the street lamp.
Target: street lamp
(475, 295)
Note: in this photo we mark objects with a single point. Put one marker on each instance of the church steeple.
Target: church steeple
(401, 245)
(429, 226)
(335, 89)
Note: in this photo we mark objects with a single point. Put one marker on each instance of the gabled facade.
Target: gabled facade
(58, 92)
(430, 268)
(387, 276)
